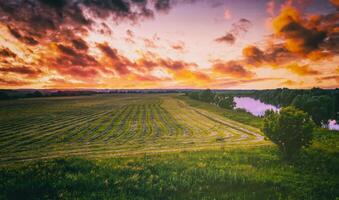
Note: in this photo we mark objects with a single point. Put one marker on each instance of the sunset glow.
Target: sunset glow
(169, 44)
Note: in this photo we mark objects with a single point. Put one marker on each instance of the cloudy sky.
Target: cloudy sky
(243, 44)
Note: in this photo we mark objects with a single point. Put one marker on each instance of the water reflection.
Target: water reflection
(332, 125)
(255, 107)
(258, 108)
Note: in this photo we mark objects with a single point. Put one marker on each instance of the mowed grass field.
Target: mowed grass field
(106, 125)
(152, 146)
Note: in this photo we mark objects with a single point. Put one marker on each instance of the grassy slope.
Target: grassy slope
(239, 173)
(239, 116)
(104, 125)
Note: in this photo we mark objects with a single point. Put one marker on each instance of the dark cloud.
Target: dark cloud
(150, 61)
(306, 40)
(80, 72)
(174, 64)
(108, 51)
(5, 52)
(296, 39)
(80, 44)
(228, 38)
(274, 55)
(163, 5)
(307, 35)
(67, 50)
(12, 83)
(166, 5)
(72, 57)
(237, 29)
(25, 39)
(130, 33)
(58, 4)
(130, 37)
(119, 63)
(254, 55)
(277, 57)
(73, 62)
(22, 70)
(40, 19)
(232, 69)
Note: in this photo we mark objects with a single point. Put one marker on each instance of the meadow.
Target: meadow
(152, 146)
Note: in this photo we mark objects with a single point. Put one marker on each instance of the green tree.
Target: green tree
(319, 107)
(227, 102)
(291, 129)
(206, 95)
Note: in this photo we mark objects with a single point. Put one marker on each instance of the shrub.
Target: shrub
(291, 129)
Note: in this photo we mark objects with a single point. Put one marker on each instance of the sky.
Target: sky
(167, 44)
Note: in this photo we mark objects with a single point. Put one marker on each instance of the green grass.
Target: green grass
(240, 116)
(242, 173)
(106, 125)
(152, 147)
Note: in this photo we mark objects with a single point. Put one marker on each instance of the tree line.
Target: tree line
(16, 94)
(218, 99)
(321, 104)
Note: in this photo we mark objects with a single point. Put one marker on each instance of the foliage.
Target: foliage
(319, 107)
(291, 129)
(240, 173)
(321, 104)
(219, 99)
(206, 95)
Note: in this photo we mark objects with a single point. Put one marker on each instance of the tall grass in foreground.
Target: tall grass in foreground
(245, 173)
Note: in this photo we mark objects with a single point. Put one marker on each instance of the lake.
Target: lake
(255, 107)
(258, 108)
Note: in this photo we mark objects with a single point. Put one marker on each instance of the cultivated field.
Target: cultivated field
(107, 125)
(152, 146)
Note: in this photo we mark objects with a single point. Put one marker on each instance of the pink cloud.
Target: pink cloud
(227, 14)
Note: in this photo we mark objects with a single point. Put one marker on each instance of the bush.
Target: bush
(291, 129)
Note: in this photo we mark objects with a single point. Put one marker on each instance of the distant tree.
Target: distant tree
(291, 129)
(194, 95)
(319, 107)
(206, 95)
(227, 102)
(34, 94)
(4, 95)
(37, 94)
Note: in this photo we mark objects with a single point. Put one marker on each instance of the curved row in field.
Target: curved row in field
(122, 126)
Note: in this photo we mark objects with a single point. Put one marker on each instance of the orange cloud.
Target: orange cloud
(291, 83)
(5, 52)
(192, 77)
(232, 69)
(335, 3)
(12, 83)
(119, 63)
(332, 77)
(306, 35)
(304, 70)
(22, 70)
